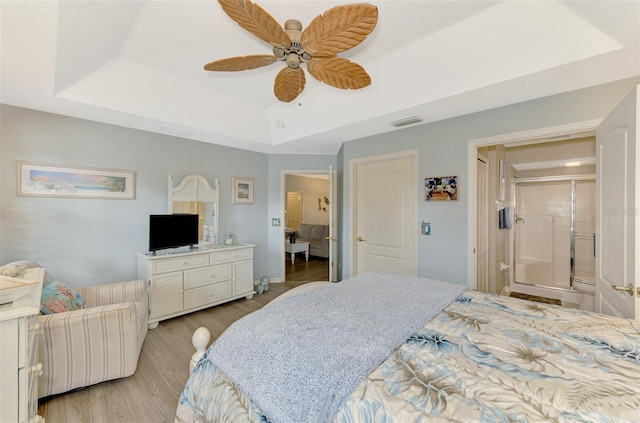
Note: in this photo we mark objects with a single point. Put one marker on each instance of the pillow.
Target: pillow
(57, 297)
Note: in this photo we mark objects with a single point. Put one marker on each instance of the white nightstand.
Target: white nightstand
(19, 330)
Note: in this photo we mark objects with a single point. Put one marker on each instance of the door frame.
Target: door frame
(353, 164)
(283, 204)
(486, 206)
(513, 139)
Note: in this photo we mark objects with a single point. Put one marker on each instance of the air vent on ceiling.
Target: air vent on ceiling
(406, 121)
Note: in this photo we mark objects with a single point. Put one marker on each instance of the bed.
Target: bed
(460, 355)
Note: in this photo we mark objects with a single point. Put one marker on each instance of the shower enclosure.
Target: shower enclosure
(554, 240)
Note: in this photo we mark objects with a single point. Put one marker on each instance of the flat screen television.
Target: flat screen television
(172, 231)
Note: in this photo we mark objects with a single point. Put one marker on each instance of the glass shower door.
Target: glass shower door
(543, 233)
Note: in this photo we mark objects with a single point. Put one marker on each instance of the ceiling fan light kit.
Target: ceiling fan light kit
(337, 30)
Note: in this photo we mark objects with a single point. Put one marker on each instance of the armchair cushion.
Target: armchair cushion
(57, 297)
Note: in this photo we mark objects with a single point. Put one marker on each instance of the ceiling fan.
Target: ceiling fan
(337, 30)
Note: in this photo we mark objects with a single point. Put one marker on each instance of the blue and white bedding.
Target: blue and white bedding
(482, 358)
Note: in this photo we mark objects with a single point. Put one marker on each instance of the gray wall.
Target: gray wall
(442, 147)
(92, 241)
(85, 241)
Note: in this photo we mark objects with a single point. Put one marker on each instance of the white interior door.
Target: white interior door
(482, 269)
(333, 241)
(385, 227)
(618, 211)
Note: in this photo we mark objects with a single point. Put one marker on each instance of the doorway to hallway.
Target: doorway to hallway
(307, 209)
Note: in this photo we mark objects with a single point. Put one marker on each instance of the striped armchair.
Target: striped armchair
(98, 343)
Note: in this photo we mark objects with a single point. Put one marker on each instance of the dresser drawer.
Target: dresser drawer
(231, 255)
(207, 294)
(207, 276)
(179, 263)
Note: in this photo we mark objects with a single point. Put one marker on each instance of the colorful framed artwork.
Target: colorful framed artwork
(44, 180)
(441, 188)
(242, 190)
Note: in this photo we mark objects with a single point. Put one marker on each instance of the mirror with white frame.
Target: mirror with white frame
(194, 195)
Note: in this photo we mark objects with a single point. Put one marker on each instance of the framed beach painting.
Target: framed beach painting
(242, 190)
(44, 180)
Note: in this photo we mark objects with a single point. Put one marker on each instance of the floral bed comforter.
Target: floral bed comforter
(483, 358)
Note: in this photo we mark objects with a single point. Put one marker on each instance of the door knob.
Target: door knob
(628, 289)
(360, 239)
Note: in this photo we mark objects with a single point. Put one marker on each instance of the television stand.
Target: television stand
(182, 283)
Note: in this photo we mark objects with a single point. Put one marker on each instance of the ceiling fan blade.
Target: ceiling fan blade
(257, 21)
(339, 72)
(339, 29)
(289, 83)
(241, 63)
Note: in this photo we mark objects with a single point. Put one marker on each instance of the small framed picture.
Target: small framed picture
(441, 188)
(242, 190)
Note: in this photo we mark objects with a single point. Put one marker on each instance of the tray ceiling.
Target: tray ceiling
(139, 64)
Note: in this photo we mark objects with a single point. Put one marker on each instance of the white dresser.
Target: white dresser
(186, 282)
(19, 367)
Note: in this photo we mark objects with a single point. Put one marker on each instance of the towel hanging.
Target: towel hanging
(504, 220)
(507, 218)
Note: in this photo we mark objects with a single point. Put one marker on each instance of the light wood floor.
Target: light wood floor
(151, 394)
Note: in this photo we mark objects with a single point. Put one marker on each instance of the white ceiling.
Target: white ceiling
(139, 64)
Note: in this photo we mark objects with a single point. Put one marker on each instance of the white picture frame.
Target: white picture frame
(46, 180)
